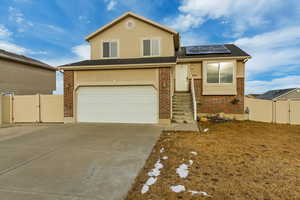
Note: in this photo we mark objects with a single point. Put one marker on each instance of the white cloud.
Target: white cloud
(55, 28)
(12, 47)
(111, 4)
(242, 14)
(4, 32)
(191, 38)
(82, 51)
(275, 53)
(16, 16)
(184, 22)
(84, 19)
(22, 1)
(6, 43)
(272, 51)
(278, 83)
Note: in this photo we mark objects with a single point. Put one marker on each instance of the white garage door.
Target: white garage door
(121, 104)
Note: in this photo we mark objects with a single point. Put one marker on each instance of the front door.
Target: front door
(181, 78)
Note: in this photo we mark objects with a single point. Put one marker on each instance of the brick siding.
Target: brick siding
(68, 93)
(220, 104)
(164, 93)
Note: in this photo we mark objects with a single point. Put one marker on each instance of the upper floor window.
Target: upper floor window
(220, 72)
(110, 49)
(151, 47)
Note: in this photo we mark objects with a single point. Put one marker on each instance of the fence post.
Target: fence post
(289, 111)
(38, 111)
(1, 108)
(11, 110)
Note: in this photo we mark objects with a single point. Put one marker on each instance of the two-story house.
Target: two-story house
(139, 73)
(21, 75)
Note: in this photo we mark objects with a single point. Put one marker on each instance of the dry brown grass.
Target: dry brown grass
(236, 160)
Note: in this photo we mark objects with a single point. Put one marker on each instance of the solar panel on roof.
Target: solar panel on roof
(207, 49)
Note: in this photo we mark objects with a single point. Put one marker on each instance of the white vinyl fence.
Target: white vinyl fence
(32, 109)
(283, 112)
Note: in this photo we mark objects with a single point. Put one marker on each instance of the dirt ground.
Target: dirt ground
(235, 160)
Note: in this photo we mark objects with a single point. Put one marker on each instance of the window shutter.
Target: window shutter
(114, 49)
(155, 48)
(146, 48)
(105, 49)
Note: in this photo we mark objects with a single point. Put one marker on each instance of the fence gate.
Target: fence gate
(295, 112)
(37, 108)
(51, 108)
(25, 108)
(283, 112)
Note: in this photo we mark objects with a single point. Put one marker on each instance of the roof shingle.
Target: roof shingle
(150, 60)
(272, 94)
(235, 52)
(23, 59)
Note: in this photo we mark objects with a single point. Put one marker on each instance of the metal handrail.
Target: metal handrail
(194, 97)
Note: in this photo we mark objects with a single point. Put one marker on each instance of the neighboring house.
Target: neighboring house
(253, 96)
(21, 75)
(282, 94)
(139, 73)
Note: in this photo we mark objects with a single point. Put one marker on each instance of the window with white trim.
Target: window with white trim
(151, 47)
(219, 72)
(110, 49)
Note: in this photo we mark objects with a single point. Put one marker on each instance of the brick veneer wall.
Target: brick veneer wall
(220, 104)
(164, 93)
(68, 93)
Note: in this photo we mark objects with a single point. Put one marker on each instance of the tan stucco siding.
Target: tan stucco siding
(195, 69)
(130, 40)
(25, 79)
(6, 109)
(219, 89)
(116, 77)
(294, 95)
(0, 109)
(240, 69)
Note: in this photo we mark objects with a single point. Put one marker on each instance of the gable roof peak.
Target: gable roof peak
(129, 13)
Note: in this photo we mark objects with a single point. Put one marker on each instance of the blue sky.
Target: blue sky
(53, 31)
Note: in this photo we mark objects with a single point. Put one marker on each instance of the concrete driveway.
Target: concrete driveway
(71, 162)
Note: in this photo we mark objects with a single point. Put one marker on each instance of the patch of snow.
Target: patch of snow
(158, 165)
(182, 171)
(178, 188)
(194, 153)
(191, 162)
(198, 192)
(155, 172)
(205, 130)
(151, 181)
(165, 158)
(162, 150)
(145, 189)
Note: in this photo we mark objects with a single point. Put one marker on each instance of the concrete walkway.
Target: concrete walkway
(72, 162)
(182, 127)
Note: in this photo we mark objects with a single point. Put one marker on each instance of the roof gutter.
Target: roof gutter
(187, 60)
(124, 66)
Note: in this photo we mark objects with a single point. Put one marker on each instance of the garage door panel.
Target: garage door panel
(128, 104)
